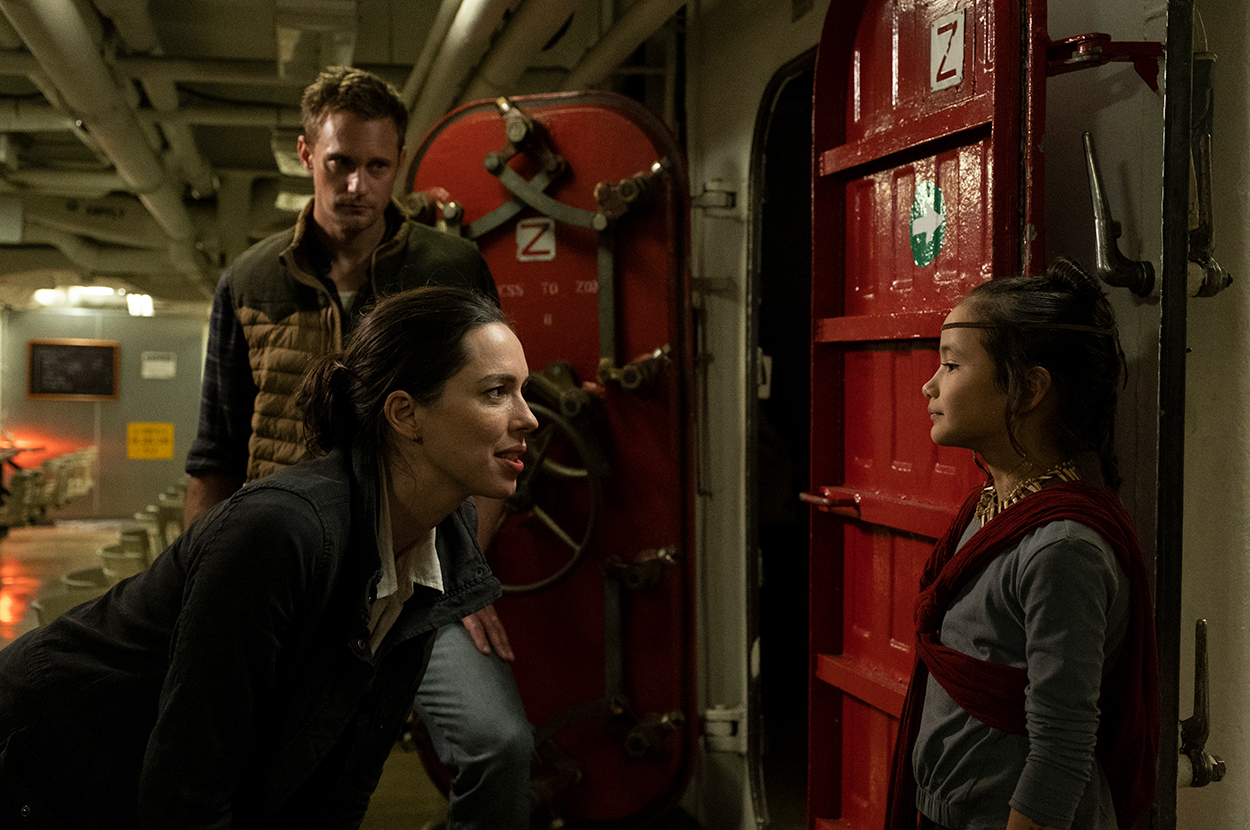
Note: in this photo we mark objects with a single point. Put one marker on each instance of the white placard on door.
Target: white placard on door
(536, 239)
(946, 51)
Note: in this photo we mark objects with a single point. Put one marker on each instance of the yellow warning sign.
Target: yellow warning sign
(149, 440)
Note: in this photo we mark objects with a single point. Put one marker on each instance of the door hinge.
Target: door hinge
(724, 729)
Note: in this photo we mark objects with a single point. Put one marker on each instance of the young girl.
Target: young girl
(1034, 702)
(258, 673)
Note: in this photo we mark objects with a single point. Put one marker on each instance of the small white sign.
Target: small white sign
(946, 51)
(536, 239)
(158, 365)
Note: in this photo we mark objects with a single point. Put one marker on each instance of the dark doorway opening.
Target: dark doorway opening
(780, 430)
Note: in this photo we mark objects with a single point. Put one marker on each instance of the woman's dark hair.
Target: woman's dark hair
(412, 341)
(1064, 323)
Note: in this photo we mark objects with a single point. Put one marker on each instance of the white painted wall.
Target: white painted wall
(1127, 123)
(735, 48)
(1217, 444)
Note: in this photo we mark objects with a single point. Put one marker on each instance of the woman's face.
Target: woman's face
(966, 406)
(473, 436)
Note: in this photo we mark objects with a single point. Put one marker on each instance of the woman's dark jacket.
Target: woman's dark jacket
(231, 684)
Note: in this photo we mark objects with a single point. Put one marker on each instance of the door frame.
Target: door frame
(785, 75)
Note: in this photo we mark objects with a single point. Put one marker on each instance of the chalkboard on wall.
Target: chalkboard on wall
(73, 369)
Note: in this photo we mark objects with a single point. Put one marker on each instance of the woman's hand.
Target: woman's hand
(487, 630)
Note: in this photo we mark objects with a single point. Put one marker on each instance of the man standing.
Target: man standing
(296, 295)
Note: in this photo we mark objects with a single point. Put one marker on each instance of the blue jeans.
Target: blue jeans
(470, 705)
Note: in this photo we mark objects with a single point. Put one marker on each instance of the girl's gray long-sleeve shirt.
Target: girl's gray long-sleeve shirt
(1056, 605)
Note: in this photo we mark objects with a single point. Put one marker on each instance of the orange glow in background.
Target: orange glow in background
(42, 446)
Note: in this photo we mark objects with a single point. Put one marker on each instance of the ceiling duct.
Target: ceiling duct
(639, 22)
(313, 34)
(533, 25)
(56, 34)
(447, 11)
(135, 27)
(466, 42)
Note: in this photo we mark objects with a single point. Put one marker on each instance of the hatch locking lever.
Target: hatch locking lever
(1198, 767)
(1206, 277)
(1111, 266)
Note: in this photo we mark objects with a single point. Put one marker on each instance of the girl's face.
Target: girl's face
(966, 406)
(473, 436)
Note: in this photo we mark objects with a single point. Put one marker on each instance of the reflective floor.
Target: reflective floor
(34, 558)
(32, 562)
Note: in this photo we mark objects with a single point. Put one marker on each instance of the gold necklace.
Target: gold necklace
(990, 506)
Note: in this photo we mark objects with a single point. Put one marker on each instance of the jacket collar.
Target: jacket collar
(304, 249)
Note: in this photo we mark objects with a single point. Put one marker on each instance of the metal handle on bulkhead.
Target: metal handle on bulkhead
(1111, 266)
(1206, 276)
(1197, 767)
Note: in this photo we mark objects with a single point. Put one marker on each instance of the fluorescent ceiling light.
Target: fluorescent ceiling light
(139, 305)
(49, 296)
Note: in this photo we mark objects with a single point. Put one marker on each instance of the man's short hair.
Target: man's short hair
(346, 88)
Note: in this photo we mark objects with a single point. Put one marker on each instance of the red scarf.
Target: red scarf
(1128, 729)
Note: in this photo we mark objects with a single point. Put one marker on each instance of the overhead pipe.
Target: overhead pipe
(466, 42)
(57, 36)
(18, 116)
(533, 25)
(130, 94)
(135, 27)
(221, 71)
(433, 42)
(639, 22)
(116, 219)
(231, 116)
(16, 60)
(96, 258)
(185, 156)
(83, 184)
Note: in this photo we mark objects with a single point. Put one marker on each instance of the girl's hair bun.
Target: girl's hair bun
(1066, 274)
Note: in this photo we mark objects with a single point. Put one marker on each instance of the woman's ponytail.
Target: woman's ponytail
(325, 399)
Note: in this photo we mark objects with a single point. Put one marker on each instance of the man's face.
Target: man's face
(353, 163)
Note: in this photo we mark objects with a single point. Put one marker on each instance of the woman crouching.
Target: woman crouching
(257, 674)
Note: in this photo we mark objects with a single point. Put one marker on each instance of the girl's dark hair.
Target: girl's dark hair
(1064, 323)
(412, 341)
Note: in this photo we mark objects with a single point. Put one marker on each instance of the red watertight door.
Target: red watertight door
(918, 195)
(578, 203)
